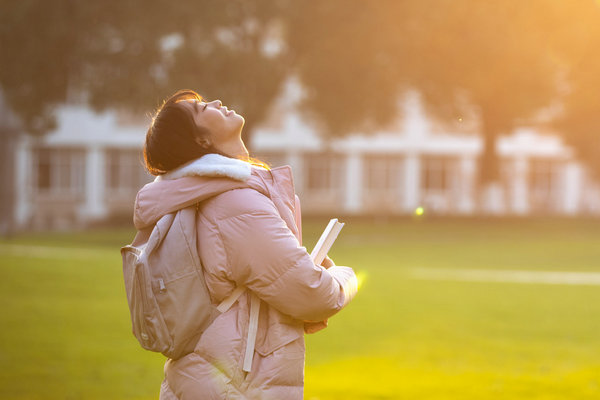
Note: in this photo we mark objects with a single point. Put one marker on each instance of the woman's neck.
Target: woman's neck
(235, 149)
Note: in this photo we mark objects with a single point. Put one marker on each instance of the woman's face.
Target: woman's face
(225, 125)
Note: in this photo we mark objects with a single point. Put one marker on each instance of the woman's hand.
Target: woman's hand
(313, 327)
(310, 326)
(327, 262)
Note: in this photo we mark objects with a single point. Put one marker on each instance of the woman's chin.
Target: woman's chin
(243, 121)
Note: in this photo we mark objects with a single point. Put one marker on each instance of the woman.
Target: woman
(248, 236)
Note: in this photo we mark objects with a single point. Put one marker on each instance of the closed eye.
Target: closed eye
(197, 105)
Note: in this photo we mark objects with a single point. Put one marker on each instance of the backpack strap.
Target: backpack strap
(253, 322)
(252, 329)
(142, 237)
(229, 300)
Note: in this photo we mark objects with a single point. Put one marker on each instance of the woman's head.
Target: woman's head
(186, 127)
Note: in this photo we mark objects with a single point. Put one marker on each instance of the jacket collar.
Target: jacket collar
(212, 165)
(218, 166)
(206, 177)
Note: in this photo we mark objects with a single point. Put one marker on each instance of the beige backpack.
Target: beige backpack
(168, 299)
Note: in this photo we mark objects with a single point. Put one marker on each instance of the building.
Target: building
(90, 169)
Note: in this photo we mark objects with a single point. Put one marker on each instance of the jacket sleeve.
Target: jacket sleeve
(162, 197)
(265, 256)
(298, 217)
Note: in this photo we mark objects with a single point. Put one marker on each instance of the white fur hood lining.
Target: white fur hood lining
(212, 165)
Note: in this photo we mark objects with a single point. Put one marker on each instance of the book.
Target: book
(326, 240)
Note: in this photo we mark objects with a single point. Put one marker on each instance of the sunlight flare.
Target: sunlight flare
(361, 276)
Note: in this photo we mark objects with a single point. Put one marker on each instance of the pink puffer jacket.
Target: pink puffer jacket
(247, 236)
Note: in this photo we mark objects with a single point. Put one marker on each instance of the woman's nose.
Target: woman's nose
(216, 103)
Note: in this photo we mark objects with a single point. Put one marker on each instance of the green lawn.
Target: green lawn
(66, 331)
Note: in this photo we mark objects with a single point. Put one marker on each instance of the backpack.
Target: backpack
(168, 299)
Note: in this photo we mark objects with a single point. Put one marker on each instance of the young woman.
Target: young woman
(248, 236)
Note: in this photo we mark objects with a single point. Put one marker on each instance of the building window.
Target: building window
(543, 174)
(273, 159)
(42, 157)
(435, 174)
(323, 172)
(383, 173)
(124, 171)
(59, 170)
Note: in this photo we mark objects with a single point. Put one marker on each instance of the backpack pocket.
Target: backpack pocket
(147, 324)
(186, 308)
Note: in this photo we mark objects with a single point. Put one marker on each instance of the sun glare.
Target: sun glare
(361, 276)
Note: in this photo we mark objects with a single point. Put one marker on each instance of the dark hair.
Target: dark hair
(171, 137)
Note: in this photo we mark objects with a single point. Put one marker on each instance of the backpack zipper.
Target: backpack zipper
(141, 316)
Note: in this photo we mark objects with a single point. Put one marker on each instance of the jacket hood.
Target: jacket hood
(202, 179)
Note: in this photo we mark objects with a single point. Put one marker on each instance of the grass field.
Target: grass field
(66, 331)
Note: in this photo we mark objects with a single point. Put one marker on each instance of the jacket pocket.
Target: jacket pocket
(277, 336)
(280, 365)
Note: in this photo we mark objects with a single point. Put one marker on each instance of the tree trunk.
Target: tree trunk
(491, 193)
(7, 174)
(489, 166)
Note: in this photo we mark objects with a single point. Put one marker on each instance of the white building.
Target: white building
(90, 169)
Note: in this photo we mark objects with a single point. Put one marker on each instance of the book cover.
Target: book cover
(326, 240)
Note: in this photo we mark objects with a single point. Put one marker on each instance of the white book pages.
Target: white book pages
(326, 240)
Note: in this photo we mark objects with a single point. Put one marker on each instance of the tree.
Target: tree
(460, 54)
(491, 57)
(347, 53)
(131, 54)
(580, 119)
(503, 60)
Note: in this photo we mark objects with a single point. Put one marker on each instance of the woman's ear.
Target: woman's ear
(203, 142)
